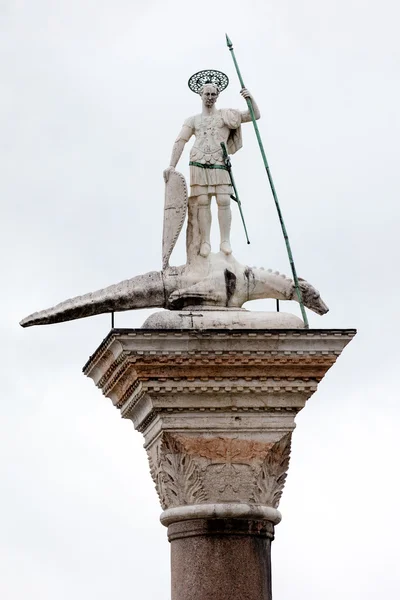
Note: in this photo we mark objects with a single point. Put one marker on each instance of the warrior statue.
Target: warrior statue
(208, 173)
(210, 287)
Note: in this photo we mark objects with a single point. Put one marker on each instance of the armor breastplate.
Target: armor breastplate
(210, 132)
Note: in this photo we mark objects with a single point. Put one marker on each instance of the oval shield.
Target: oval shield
(175, 207)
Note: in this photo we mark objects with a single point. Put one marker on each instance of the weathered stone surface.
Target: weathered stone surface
(208, 171)
(203, 469)
(216, 407)
(228, 559)
(175, 207)
(226, 510)
(222, 319)
(217, 281)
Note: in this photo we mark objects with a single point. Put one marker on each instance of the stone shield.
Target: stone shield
(176, 201)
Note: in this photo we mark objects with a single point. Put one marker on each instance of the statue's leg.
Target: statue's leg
(204, 204)
(224, 219)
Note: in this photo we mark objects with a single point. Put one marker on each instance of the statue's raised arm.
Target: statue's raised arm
(209, 176)
(246, 116)
(213, 282)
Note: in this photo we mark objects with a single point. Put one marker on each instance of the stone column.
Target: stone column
(221, 558)
(217, 411)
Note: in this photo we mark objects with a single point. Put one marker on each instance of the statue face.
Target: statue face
(209, 95)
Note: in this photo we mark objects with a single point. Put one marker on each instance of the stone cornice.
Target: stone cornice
(312, 351)
(216, 407)
(188, 370)
(306, 336)
(159, 373)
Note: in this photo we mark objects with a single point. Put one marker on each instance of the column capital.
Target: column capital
(216, 408)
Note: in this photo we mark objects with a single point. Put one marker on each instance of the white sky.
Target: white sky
(92, 96)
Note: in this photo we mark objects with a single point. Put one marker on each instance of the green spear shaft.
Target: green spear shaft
(271, 182)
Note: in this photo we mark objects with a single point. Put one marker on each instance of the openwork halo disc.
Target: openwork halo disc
(196, 82)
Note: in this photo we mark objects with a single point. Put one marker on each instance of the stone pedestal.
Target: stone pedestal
(217, 409)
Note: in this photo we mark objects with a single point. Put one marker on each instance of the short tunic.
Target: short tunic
(222, 126)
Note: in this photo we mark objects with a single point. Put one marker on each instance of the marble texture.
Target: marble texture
(218, 281)
(226, 510)
(221, 559)
(216, 407)
(175, 209)
(207, 280)
(217, 410)
(208, 177)
(222, 319)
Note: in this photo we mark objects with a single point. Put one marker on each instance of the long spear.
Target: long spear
(271, 182)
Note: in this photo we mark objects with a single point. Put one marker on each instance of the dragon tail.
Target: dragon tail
(143, 291)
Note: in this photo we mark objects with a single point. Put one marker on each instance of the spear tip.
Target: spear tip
(228, 42)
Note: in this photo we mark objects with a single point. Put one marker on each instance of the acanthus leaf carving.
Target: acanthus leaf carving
(155, 473)
(272, 476)
(176, 475)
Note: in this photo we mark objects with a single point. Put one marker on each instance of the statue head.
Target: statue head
(208, 84)
(209, 94)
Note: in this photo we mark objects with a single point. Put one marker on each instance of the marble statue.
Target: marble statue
(216, 284)
(208, 174)
(219, 282)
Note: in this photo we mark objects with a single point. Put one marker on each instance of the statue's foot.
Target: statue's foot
(225, 247)
(205, 249)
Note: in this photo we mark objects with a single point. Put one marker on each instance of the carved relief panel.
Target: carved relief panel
(196, 470)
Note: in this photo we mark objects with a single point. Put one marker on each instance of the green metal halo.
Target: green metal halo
(217, 78)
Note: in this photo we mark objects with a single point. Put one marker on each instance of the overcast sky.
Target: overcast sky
(92, 96)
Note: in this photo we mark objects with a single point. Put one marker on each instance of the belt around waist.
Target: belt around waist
(197, 164)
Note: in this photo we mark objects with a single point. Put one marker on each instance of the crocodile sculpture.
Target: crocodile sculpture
(215, 282)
